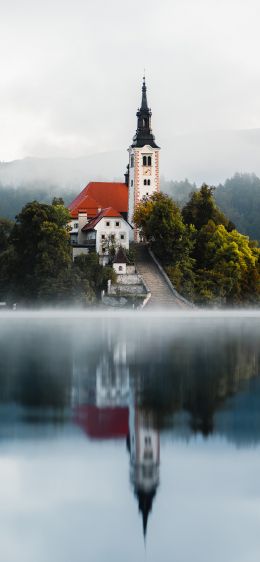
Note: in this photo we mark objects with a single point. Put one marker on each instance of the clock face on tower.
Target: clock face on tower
(147, 171)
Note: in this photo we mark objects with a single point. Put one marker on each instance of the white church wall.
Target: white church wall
(109, 227)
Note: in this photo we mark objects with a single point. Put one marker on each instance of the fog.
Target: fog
(209, 157)
(71, 77)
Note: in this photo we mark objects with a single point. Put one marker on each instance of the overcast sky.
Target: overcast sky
(71, 71)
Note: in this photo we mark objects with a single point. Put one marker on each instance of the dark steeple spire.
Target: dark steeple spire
(144, 134)
(145, 501)
(144, 106)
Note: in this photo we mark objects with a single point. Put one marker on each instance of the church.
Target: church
(102, 214)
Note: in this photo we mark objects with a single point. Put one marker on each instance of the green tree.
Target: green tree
(202, 207)
(41, 251)
(97, 276)
(228, 270)
(6, 227)
(160, 222)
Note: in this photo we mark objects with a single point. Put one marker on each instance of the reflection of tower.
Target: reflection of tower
(104, 406)
(112, 379)
(144, 448)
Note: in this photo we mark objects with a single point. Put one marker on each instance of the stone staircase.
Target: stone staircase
(161, 294)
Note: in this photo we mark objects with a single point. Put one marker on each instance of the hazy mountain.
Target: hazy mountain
(204, 157)
(68, 173)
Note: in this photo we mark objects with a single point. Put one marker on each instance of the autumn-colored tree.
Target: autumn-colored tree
(228, 267)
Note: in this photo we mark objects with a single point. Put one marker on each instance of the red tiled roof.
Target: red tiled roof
(87, 204)
(104, 194)
(104, 213)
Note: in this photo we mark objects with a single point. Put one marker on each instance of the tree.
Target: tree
(228, 266)
(202, 207)
(40, 251)
(160, 222)
(89, 268)
(5, 230)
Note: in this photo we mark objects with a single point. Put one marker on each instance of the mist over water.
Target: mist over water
(124, 427)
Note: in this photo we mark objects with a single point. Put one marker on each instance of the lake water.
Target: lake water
(129, 436)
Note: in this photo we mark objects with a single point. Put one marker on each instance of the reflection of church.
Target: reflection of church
(144, 448)
(105, 408)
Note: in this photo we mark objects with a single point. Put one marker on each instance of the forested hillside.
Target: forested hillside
(238, 198)
(12, 200)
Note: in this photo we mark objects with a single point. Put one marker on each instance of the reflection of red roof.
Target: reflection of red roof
(103, 194)
(103, 423)
(104, 213)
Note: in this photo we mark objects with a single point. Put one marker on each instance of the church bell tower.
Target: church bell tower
(143, 177)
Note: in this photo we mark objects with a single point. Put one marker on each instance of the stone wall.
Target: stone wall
(127, 290)
(79, 251)
(132, 279)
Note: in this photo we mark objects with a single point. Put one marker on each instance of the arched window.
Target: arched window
(148, 182)
(145, 182)
(144, 161)
(149, 163)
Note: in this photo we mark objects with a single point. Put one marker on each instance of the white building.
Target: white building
(100, 234)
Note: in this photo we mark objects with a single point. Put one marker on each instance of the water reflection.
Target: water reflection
(105, 407)
(144, 448)
(132, 382)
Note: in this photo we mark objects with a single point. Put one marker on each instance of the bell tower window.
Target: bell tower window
(147, 161)
(132, 161)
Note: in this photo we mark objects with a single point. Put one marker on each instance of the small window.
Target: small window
(120, 268)
(76, 225)
(148, 182)
(149, 161)
(122, 236)
(103, 250)
(145, 182)
(144, 161)
(132, 161)
(132, 183)
(103, 236)
(108, 223)
(117, 223)
(112, 237)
